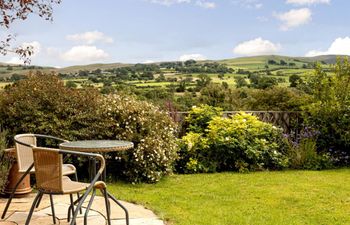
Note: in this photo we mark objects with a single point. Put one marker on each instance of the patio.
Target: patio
(19, 208)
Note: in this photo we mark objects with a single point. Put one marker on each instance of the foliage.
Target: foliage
(152, 132)
(71, 84)
(262, 82)
(303, 152)
(199, 117)
(277, 99)
(329, 112)
(42, 104)
(240, 143)
(5, 161)
(244, 143)
(295, 80)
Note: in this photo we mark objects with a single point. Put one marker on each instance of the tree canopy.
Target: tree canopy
(12, 10)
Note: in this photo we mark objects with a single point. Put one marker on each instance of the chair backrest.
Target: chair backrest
(24, 153)
(48, 169)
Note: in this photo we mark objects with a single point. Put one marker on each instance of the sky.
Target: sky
(145, 31)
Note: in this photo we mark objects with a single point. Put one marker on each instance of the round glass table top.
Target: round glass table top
(97, 145)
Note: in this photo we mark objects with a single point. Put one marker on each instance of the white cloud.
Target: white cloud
(169, 2)
(249, 4)
(14, 60)
(340, 46)
(206, 4)
(201, 3)
(307, 2)
(148, 62)
(294, 18)
(90, 37)
(35, 45)
(257, 46)
(192, 56)
(84, 53)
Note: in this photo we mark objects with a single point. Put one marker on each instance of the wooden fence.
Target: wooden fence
(290, 122)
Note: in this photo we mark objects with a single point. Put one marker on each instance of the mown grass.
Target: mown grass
(288, 197)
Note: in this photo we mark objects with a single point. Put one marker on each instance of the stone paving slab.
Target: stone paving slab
(19, 208)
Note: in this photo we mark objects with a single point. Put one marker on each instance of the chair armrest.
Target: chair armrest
(50, 137)
(97, 156)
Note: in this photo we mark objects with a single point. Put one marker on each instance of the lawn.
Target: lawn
(288, 197)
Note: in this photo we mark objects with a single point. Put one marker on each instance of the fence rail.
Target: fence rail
(290, 122)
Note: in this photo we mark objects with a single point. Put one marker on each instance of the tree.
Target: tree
(329, 112)
(203, 81)
(13, 10)
(190, 62)
(71, 84)
(283, 63)
(294, 80)
(240, 82)
(160, 78)
(272, 62)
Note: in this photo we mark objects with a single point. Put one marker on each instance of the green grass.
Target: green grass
(289, 197)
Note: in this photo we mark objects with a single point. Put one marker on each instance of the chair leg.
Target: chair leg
(108, 207)
(78, 194)
(71, 207)
(121, 206)
(89, 206)
(52, 210)
(81, 201)
(33, 207)
(39, 201)
(14, 190)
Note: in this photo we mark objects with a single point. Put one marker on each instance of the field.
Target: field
(289, 197)
(259, 64)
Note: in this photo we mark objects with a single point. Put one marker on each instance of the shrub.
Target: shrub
(303, 152)
(42, 104)
(194, 154)
(150, 129)
(198, 118)
(329, 112)
(241, 143)
(5, 161)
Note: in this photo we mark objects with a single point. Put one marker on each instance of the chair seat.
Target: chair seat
(69, 186)
(67, 169)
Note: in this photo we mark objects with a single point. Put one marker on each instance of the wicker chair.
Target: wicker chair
(24, 155)
(51, 180)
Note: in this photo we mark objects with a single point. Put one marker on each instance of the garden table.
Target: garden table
(97, 146)
(102, 147)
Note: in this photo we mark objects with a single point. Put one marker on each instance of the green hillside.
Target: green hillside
(253, 63)
(91, 67)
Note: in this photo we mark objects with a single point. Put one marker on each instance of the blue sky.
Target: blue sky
(92, 31)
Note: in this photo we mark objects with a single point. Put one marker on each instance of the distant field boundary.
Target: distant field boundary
(290, 122)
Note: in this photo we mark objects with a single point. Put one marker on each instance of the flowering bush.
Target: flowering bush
(150, 129)
(42, 104)
(241, 143)
(303, 151)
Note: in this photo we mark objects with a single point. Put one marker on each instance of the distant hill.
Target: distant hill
(253, 63)
(329, 59)
(91, 67)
